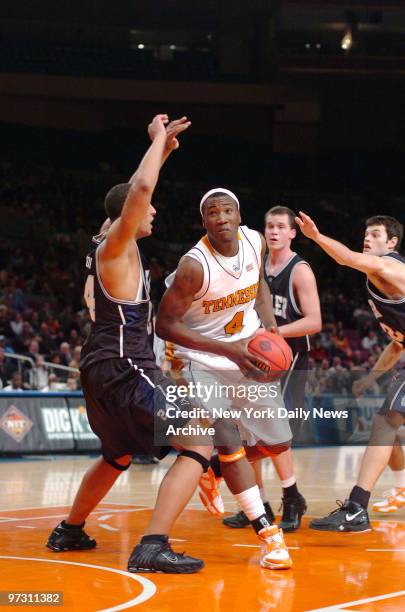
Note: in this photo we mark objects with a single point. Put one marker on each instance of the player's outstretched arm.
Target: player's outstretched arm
(386, 361)
(137, 203)
(263, 302)
(369, 264)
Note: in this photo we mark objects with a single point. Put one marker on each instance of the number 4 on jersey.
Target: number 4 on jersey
(235, 324)
(89, 297)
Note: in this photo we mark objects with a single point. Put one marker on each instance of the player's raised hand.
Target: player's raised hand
(307, 226)
(173, 129)
(157, 126)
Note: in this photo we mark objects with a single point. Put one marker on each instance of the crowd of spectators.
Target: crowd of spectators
(42, 314)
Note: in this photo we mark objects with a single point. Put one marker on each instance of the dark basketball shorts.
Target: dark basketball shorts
(293, 384)
(126, 407)
(395, 399)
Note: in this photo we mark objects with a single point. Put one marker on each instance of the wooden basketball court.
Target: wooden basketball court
(357, 572)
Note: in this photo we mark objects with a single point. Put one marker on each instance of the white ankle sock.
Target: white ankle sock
(288, 482)
(251, 503)
(399, 477)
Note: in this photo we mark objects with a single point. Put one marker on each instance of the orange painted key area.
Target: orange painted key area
(358, 572)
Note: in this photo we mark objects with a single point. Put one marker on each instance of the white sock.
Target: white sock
(289, 482)
(263, 494)
(399, 477)
(251, 503)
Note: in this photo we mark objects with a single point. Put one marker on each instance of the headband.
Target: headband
(218, 190)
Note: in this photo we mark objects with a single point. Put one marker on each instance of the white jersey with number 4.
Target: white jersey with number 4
(223, 309)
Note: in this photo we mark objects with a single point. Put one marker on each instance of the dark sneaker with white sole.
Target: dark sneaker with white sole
(240, 520)
(159, 557)
(293, 509)
(349, 516)
(70, 538)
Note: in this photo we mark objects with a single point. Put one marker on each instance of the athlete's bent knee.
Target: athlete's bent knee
(196, 456)
(118, 463)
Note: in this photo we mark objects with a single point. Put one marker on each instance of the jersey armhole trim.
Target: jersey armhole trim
(381, 299)
(202, 260)
(258, 259)
(290, 286)
(117, 300)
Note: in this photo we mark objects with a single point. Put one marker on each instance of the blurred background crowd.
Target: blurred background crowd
(52, 215)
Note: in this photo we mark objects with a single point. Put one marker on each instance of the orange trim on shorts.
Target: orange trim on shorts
(264, 450)
(176, 363)
(233, 457)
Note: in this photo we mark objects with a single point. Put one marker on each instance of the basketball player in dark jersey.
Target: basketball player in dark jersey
(125, 392)
(297, 311)
(385, 271)
(139, 458)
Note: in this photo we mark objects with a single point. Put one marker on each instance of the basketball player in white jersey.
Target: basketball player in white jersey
(210, 310)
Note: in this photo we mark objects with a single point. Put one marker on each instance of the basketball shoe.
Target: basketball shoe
(293, 509)
(240, 520)
(65, 538)
(208, 490)
(274, 553)
(158, 556)
(349, 516)
(393, 500)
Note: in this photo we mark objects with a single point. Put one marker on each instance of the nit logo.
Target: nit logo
(15, 423)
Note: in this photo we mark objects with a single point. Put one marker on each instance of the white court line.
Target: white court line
(36, 518)
(67, 505)
(177, 540)
(105, 517)
(108, 527)
(385, 549)
(349, 604)
(34, 508)
(25, 527)
(149, 588)
(258, 546)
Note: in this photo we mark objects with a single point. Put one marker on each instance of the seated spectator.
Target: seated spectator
(370, 340)
(47, 343)
(5, 329)
(7, 367)
(341, 345)
(16, 324)
(58, 375)
(340, 378)
(38, 376)
(65, 353)
(16, 383)
(318, 352)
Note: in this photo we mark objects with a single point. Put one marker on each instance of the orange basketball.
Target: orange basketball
(273, 349)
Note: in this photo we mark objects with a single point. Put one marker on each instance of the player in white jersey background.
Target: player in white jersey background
(216, 302)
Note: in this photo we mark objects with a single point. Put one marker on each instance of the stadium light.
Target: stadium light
(347, 40)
